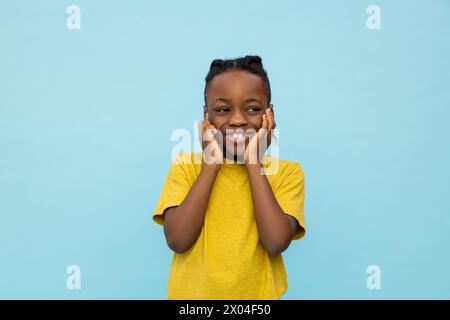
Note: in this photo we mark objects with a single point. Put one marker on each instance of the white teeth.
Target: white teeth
(238, 135)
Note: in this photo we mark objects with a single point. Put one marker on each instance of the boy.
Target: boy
(226, 221)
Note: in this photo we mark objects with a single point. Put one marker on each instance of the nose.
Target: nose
(237, 119)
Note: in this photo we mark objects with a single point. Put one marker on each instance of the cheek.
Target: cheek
(257, 123)
(219, 122)
(213, 119)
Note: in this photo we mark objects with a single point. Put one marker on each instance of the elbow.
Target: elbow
(277, 247)
(173, 242)
(178, 249)
(177, 246)
(274, 251)
(176, 242)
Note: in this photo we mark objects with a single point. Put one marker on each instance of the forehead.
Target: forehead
(237, 84)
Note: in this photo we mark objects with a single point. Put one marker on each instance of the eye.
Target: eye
(222, 109)
(254, 109)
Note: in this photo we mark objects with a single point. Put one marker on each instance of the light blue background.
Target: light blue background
(86, 117)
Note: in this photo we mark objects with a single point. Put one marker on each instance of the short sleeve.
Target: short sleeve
(291, 195)
(175, 189)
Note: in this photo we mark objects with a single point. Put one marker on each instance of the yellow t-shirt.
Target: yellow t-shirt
(228, 261)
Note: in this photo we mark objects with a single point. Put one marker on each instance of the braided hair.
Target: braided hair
(251, 64)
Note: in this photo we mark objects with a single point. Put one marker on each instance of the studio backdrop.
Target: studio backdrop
(92, 91)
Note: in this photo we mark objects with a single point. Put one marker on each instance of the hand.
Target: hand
(212, 151)
(260, 141)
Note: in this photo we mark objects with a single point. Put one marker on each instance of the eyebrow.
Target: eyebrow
(223, 99)
(252, 100)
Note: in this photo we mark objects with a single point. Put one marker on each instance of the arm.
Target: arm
(183, 224)
(276, 229)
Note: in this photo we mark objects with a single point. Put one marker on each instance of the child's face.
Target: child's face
(236, 100)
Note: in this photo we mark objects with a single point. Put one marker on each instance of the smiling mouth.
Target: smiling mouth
(236, 136)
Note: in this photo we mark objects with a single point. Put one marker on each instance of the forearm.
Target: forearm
(273, 225)
(183, 224)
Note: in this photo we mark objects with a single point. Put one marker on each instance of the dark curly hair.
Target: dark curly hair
(251, 64)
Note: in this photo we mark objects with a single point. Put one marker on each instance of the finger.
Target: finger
(207, 118)
(213, 128)
(211, 132)
(264, 122)
(270, 120)
(273, 119)
(200, 129)
(208, 133)
(202, 135)
(269, 136)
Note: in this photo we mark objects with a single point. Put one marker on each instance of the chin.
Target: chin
(234, 155)
(234, 150)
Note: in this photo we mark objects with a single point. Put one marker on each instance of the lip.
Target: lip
(237, 136)
(232, 139)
